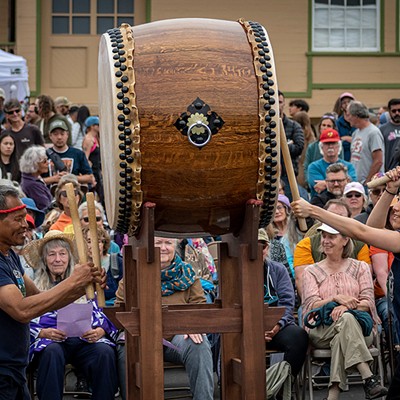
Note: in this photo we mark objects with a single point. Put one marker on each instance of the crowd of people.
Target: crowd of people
(343, 261)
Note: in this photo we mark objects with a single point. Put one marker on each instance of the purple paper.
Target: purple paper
(75, 319)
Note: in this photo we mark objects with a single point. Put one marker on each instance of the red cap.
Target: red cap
(31, 221)
(329, 135)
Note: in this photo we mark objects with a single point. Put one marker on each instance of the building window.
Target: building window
(111, 13)
(345, 25)
(75, 17)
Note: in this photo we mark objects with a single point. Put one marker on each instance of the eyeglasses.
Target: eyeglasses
(63, 193)
(395, 110)
(98, 219)
(280, 208)
(377, 192)
(339, 181)
(43, 161)
(350, 195)
(11, 112)
(264, 243)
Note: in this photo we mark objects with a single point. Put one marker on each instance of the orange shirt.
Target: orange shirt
(377, 288)
(63, 221)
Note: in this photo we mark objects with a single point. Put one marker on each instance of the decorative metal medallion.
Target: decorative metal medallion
(199, 123)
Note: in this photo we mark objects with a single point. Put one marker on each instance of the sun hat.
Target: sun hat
(32, 252)
(283, 199)
(328, 229)
(329, 135)
(31, 205)
(354, 187)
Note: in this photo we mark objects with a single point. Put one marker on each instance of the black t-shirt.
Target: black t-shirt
(28, 136)
(14, 335)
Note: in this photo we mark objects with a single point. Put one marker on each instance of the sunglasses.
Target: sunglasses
(350, 195)
(11, 112)
(98, 219)
(377, 192)
(63, 193)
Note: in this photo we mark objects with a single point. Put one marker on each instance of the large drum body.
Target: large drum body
(190, 121)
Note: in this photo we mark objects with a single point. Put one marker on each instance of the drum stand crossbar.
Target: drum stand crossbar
(239, 314)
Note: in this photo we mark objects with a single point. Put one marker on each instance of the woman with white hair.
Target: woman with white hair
(32, 164)
(51, 347)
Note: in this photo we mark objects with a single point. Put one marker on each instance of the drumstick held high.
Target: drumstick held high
(78, 233)
(290, 173)
(95, 248)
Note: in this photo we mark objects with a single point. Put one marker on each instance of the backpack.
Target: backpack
(279, 376)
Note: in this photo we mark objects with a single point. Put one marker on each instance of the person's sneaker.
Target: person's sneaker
(373, 388)
(82, 387)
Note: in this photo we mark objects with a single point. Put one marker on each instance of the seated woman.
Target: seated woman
(346, 285)
(112, 263)
(33, 163)
(179, 285)
(50, 348)
(285, 336)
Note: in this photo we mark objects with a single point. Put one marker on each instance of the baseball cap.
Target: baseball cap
(2, 93)
(328, 229)
(62, 101)
(329, 135)
(262, 235)
(354, 187)
(346, 94)
(58, 123)
(90, 121)
(30, 221)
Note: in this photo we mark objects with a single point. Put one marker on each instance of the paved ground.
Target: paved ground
(355, 392)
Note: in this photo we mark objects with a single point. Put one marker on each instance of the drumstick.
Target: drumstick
(78, 233)
(95, 248)
(290, 173)
(383, 180)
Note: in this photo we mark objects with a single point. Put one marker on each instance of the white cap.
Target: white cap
(2, 93)
(354, 187)
(328, 229)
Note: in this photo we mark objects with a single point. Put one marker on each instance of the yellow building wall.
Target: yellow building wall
(68, 64)
(26, 44)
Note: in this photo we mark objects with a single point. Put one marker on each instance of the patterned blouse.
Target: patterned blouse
(355, 281)
(49, 320)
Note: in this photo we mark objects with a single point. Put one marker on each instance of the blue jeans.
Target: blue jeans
(97, 362)
(197, 359)
(382, 308)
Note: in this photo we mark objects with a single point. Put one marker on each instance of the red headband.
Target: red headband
(10, 210)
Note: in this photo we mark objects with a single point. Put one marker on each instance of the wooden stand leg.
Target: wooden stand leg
(241, 283)
(145, 373)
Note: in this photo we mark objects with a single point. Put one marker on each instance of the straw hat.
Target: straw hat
(32, 252)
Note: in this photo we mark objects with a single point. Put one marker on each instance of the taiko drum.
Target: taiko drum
(189, 121)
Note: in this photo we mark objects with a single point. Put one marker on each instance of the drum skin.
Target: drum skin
(151, 79)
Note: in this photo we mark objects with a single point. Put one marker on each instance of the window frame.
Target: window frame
(345, 49)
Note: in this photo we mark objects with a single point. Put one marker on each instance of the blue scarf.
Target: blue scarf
(179, 276)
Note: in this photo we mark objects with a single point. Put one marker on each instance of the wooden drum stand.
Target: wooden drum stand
(239, 314)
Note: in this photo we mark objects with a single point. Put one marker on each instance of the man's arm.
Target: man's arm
(377, 162)
(23, 309)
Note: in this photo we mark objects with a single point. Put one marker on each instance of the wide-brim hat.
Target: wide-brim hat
(32, 252)
(31, 205)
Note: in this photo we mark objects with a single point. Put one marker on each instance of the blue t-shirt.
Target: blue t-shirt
(75, 161)
(14, 335)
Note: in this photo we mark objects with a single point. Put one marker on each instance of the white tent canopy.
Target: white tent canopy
(14, 76)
